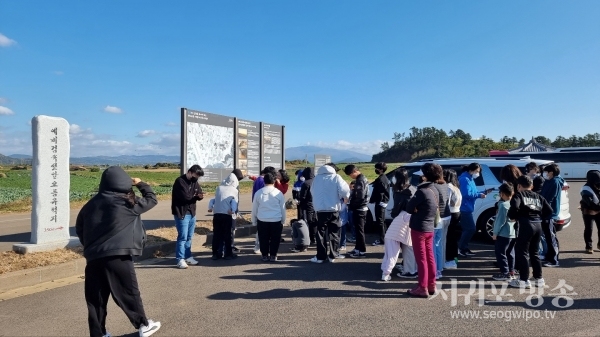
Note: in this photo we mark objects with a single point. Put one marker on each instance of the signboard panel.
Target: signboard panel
(320, 160)
(248, 154)
(273, 145)
(208, 140)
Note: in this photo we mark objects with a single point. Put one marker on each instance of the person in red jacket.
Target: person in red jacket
(282, 181)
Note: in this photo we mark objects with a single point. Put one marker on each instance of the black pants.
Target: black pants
(359, 218)
(587, 232)
(328, 229)
(269, 235)
(312, 232)
(452, 237)
(222, 234)
(527, 248)
(505, 254)
(380, 221)
(113, 275)
(552, 250)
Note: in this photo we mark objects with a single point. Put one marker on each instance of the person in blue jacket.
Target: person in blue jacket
(551, 190)
(469, 192)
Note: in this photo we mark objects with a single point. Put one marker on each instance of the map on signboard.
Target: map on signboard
(210, 146)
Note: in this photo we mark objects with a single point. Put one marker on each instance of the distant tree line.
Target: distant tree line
(430, 142)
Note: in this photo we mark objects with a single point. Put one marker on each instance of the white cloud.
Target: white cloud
(58, 73)
(5, 41)
(171, 124)
(168, 140)
(146, 133)
(369, 147)
(76, 130)
(112, 109)
(5, 111)
(3, 100)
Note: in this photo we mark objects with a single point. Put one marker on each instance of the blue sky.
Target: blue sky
(343, 74)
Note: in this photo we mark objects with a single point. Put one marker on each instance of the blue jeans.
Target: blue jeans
(185, 233)
(438, 248)
(505, 254)
(468, 229)
(343, 236)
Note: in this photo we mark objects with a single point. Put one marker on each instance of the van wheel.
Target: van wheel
(485, 224)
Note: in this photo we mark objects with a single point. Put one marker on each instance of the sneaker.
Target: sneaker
(512, 275)
(518, 283)
(148, 330)
(386, 278)
(589, 250)
(273, 259)
(181, 264)
(501, 277)
(542, 257)
(315, 260)
(235, 249)
(353, 251)
(358, 255)
(407, 275)
(551, 265)
(418, 292)
(265, 259)
(538, 282)
(191, 261)
(432, 291)
(351, 240)
(231, 257)
(438, 275)
(107, 334)
(215, 257)
(312, 244)
(294, 250)
(337, 258)
(400, 267)
(256, 249)
(468, 252)
(377, 243)
(343, 248)
(460, 253)
(450, 265)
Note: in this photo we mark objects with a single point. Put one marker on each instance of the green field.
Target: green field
(15, 188)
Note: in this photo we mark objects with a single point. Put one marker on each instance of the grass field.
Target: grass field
(15, 188)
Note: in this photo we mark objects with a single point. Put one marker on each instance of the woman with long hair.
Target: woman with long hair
(453, 233)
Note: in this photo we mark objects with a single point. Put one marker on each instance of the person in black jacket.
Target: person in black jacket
(529, 209)
(358, 207)
(590, 208)
(111, 231)
(380, 197)
(186, 192)
(307, 211)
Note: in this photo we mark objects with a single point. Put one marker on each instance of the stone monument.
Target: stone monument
(50, 183)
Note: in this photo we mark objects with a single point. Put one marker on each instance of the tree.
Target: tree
(543, 140)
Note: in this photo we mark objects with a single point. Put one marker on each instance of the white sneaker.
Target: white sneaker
(256, 249)
(343, 248)
(538, 282)
(107, 334)
(315, 260)
(181, 264)
(339, 257)
(191, 261)
(450, 265)
(438, 275)
(518, 283)
(148, 330)
(386, 278)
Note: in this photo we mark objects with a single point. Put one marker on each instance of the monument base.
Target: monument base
(25, 248)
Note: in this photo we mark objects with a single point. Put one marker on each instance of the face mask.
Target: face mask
(302, 178)
(376, 171)
(193, 179)
(545, 175)
(475, 175)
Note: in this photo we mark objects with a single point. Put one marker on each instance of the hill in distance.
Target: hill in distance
(337, 156)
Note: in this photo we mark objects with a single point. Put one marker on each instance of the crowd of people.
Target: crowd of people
(432, 224)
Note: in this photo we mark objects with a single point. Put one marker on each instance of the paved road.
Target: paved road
(296, 298)
(16, 228)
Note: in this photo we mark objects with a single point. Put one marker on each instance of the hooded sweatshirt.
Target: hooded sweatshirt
(551, 192)
(469, 192)
(108, 225)
(299, 181)
(305, 196)
(268, 205)
(590, 193)
(226, 196)
(327, 189)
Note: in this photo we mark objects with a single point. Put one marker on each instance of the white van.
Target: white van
(484, 212)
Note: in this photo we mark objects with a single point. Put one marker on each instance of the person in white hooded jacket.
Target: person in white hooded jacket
(328, 188)
(268, 214)
(225, 207)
